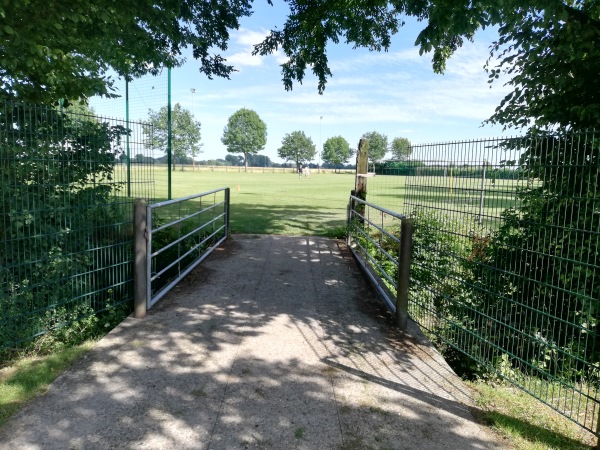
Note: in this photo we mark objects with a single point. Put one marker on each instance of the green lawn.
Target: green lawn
(29, 377)
(282, 203)
(271, 203)
(460, 197)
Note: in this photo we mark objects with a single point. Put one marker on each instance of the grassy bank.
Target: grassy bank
(524, 422)
(29, 377)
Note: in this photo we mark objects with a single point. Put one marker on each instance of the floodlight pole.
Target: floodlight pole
(320, 147)
(169, 137)
(193, 91)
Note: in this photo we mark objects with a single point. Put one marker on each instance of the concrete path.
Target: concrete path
(273, 342)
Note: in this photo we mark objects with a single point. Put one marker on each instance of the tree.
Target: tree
(378, 145)
(185, 133)
(548, 47)
(552, 57)
(297, 147)
(245, 133)
(259, 161)
(67, 50)
(401, 148)
(336, 151)
(234, 160)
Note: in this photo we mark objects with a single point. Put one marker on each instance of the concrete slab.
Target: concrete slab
(274, 342)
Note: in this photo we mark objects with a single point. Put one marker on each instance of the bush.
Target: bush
(439, 300)
(62, 231)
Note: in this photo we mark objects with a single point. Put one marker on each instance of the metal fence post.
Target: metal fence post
(127, 137)
(140, 274)
(350, 210)
(169, 135)
(404, 260)
(227, 210)
(482, 196)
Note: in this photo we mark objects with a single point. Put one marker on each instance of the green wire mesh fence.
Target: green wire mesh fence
(135, 101)
(66, 214)
(506, 259)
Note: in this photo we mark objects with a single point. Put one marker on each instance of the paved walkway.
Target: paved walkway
(273, 342)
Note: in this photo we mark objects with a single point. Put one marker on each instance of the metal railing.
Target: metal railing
(172, 238)
(380, 240)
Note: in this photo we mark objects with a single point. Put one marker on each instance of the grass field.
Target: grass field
(459, 198)
(271, 203)
(282, 203)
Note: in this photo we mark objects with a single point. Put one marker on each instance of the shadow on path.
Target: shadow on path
(273, 342)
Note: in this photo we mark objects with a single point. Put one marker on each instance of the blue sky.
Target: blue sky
(395, 93)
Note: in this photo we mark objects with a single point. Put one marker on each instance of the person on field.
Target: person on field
(300, 171)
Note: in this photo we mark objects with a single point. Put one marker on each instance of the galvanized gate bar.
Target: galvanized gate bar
(363, 232)
(213, 239)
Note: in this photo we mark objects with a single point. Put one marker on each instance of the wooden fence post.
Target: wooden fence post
(404, 260)
(362, 162)
(360, 183)
(140, 273)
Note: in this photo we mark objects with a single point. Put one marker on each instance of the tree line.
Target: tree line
(245, 135)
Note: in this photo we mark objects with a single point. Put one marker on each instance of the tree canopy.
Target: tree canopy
(245, 133)
(551, 51)
(259, 161)
(336, 151)
(185, 132)
(66, 49)
(401, 148)
(378, 145)
(549, 48)
(253, 160)
(297, 147)
(234, 160)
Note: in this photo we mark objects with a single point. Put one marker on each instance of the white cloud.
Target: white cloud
(364, 60)
(249, 38)
(245, 40)
(244, 59)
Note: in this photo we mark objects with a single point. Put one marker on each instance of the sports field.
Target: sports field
(466, 199)
(282, 203)
(271, 203)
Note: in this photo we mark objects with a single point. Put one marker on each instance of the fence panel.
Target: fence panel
(65, 217)
(373, 238)
(506, 261)
(181, 234)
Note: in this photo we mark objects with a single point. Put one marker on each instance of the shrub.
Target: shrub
(61, 229)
